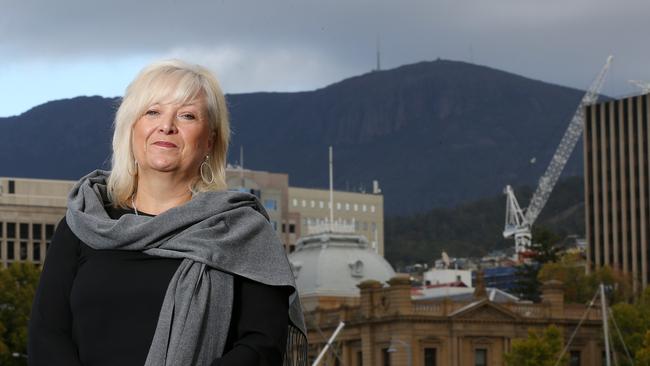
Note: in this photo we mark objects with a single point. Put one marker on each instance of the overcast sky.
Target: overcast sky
(65, 48)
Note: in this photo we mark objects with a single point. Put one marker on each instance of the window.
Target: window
(359, 358)
(385, 357)
(37, 251)
(24, 231)
(12, 187)
(304, 203)
(321, 204)
(373, 226)
(338, 205)
(36, 231)
(312, 203)
(364, 208)
(271, 204)
(10, 249)
(480, 357)
(430, 357)
(23, 250)
(292, 228)
(11, 230)
(294, 202)
(574, 359)
(49, 231)
(1, 229)
(347, 207)
(365, 226)
(284, 228)
(355, 207)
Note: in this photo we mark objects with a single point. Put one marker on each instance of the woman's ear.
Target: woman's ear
(211, 139)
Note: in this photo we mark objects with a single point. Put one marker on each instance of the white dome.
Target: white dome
(332, 264)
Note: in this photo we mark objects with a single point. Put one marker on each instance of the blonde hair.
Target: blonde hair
(169, 81)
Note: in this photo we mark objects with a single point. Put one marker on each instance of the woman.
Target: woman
(156, 263)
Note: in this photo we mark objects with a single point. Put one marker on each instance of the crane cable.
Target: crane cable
(620, 336)
(611, 341)
(575, 331)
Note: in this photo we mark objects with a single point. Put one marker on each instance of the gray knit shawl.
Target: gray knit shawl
(218, 235)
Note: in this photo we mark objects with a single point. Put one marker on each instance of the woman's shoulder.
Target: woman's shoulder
(65, 245)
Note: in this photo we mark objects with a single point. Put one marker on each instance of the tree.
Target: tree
(580, 287)
(541, 348)
(18, 284)
(633, 320)
(643, 354)
(544, 250)
(569, 270)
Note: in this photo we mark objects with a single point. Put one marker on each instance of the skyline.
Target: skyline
(71, 48)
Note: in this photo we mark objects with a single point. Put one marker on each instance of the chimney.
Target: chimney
(553, 296)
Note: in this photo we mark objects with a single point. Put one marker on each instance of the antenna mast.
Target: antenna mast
(241, 166)
(331, 190)
(378, 54)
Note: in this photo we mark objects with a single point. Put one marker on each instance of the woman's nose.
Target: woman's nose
(168, 125)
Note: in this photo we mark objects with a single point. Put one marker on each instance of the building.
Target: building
(272, 191)
(389, 327)
(503, 278)
(616, 166)
(443, 276)
(364, 211)
(340, 279)
(328, 266)
(30, 209)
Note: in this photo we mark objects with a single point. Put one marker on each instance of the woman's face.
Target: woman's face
(172, 138)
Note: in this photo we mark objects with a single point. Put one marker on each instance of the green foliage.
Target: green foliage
(475, 228)
(569, 270)
(545, 250)
(545, 245)
(528, 286)
(541, 348)
(580, 287)
(633, 321)
(18, 284)
(643, 354)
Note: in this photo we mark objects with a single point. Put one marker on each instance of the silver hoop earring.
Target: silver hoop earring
(206, 166)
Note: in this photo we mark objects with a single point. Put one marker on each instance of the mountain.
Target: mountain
(434, 134)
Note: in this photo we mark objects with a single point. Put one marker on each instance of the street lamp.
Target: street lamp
(391, 349)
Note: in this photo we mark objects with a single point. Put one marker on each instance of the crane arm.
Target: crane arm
(564, 150)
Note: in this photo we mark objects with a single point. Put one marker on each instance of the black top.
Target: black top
(101, 307)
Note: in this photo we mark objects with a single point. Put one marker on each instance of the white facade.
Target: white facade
(443, 276)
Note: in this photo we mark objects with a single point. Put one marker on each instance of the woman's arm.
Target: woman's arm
(258, 330)
(50, 325)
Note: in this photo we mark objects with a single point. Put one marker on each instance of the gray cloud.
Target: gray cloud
(294, 45)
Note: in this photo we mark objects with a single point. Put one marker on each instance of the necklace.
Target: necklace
(133, 205)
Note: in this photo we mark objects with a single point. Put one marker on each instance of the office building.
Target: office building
(30, 209)
(616, 166)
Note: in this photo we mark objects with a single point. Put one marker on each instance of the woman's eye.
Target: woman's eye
(187, 116)
(151, 112)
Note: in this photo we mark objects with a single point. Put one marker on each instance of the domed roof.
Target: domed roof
(332, 264)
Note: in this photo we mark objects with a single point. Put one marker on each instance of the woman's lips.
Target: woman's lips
(164, 144)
